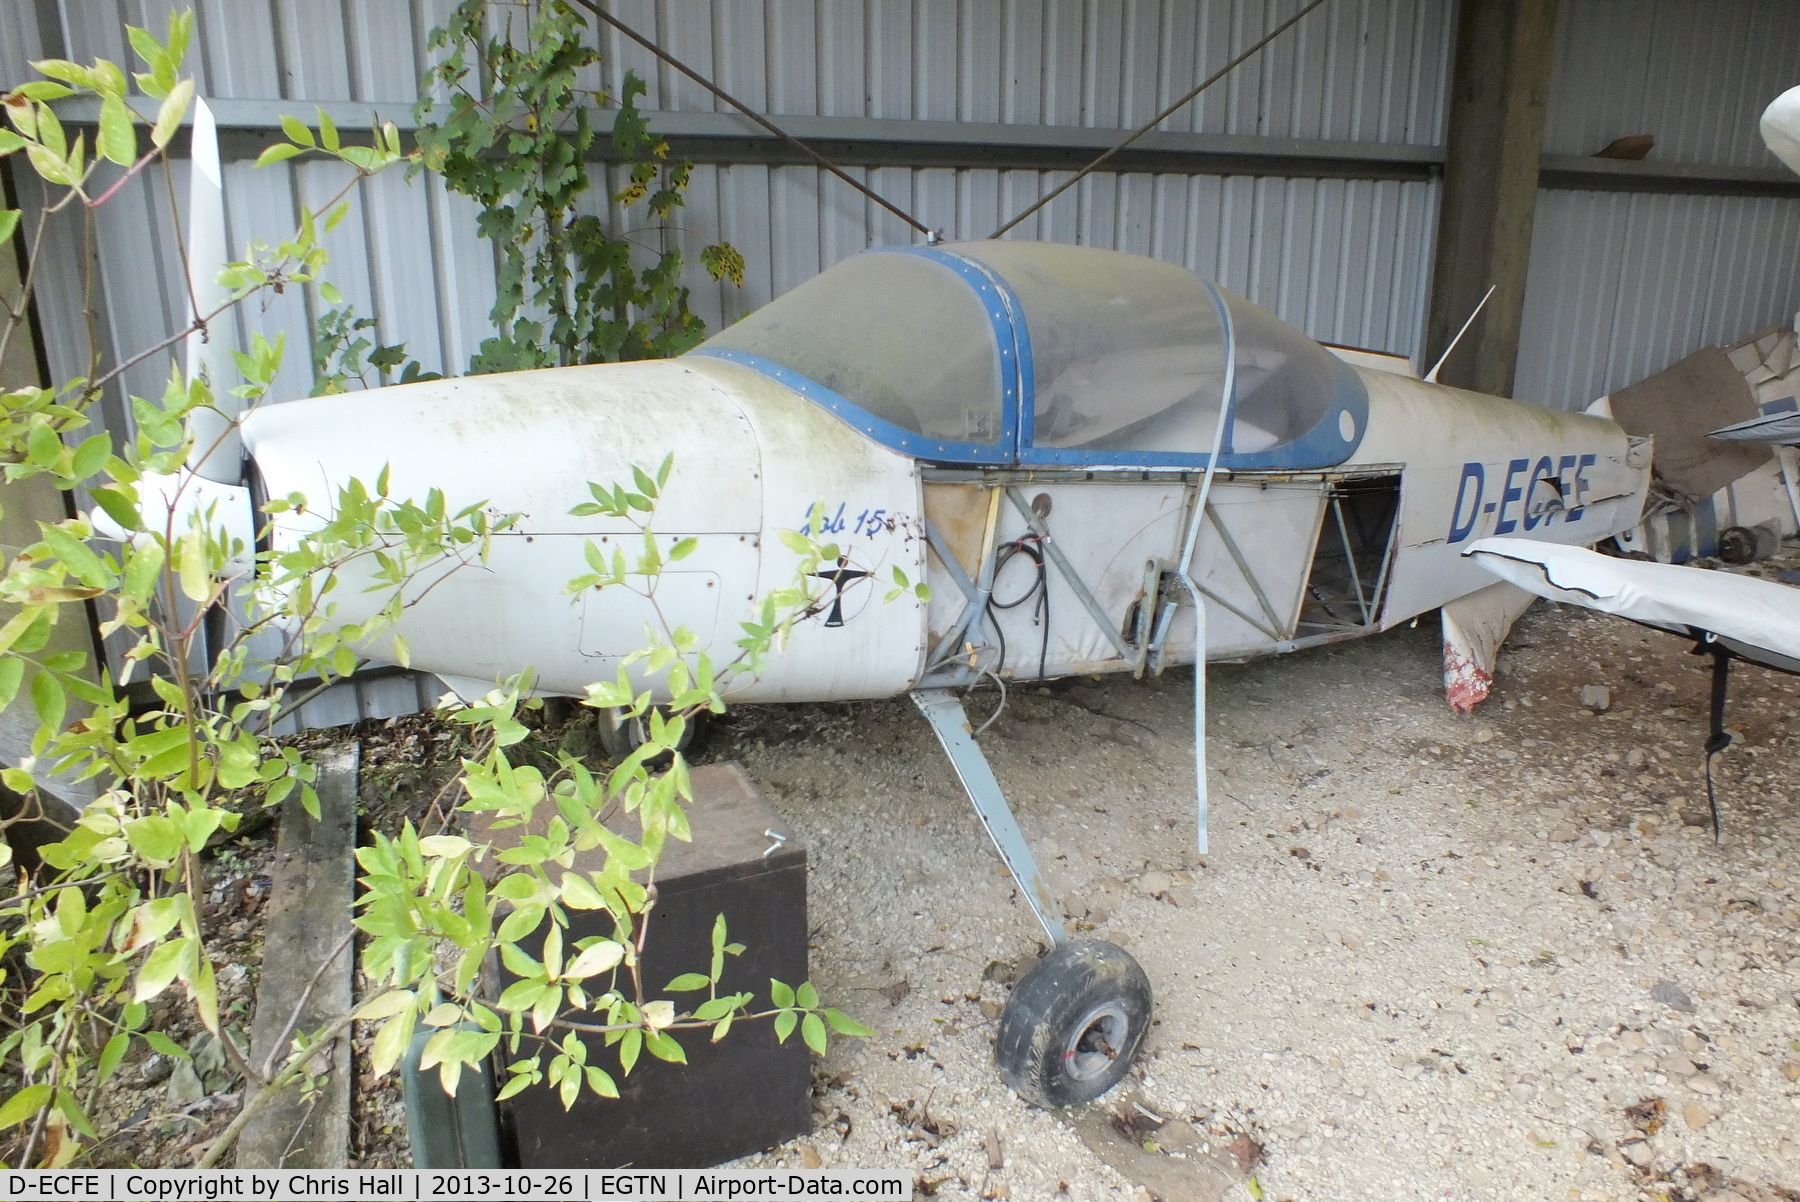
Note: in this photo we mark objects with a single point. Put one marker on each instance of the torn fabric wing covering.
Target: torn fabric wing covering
(1758, 619)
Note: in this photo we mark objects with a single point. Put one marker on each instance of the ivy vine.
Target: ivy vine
(517, 139)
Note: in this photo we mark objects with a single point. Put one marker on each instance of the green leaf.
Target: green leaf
(579, 894)
(63, 69)
(23, 1105)
(117, 139)
(162, 1043)
(191, 567)
(806, 996)
(12, 673)
(156, 836)
(596, 959)
(81, 562)
(9, 218)
(280, 152)
(688, 981)
(296, 130)
(42, 447)
(782, 995)
(48, 698)
(203, 987)
(784, 1025)
(111, 1055)
(843, 1024)
(169, 114)
(142, 571)
(159, 970)
(42, 90)
(812, 1030)
(520, 923)
(78, 1119)
(664, 1047)
(391, 1042)
(91, 456)
(714, 1008)
(328, 134)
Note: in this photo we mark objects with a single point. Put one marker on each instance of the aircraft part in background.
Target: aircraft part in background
(1714, 490)
(1474, 627)
(1780, 127)
(1758, 618)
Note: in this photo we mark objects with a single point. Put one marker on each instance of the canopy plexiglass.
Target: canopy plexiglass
(900, 336)
(1038, 352)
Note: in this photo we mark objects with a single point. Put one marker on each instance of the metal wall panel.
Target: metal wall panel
(1365, 70)
(1696, 74)
(1623, 285)
(1322, 253)
(1345, 260)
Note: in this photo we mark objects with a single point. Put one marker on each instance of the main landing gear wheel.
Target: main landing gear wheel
(621, 735)
(1074, 1024)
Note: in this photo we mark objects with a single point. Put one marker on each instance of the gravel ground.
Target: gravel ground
(1428, 956)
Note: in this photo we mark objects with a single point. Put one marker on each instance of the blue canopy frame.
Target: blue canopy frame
(1331, 441)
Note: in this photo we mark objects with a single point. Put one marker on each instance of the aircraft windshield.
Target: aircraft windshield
(1126, 359)
(1128, 355)
(899, 335)
(1286, 382)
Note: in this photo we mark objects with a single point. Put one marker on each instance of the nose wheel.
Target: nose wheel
(620, 734)
(1074, 1024)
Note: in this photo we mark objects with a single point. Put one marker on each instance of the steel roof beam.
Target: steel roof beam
(247, 126)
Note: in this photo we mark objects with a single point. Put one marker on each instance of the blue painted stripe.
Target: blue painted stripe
(885, 432)
(1005, 319)
(1706, 527)
(1322, 446)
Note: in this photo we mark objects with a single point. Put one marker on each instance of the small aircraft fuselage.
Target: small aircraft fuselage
(1026, 427)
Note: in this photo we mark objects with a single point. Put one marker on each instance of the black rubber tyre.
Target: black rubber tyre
(1737, 544)
(1074, 1024)
(620, 736)
(1747, 544)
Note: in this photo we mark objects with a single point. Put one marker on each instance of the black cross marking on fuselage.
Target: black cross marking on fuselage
(839, 577)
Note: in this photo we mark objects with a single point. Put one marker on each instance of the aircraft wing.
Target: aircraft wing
(1758, 619)
(1782, 428)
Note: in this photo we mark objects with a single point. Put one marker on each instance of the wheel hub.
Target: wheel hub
(1095, 1041)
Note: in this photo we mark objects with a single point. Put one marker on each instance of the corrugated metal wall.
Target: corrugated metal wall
(1622, 285)
(1363, 70)
(1346, 260)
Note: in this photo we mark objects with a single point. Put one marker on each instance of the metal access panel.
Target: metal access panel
(741, 1095)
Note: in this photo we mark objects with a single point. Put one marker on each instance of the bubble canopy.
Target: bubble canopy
(1033, 352)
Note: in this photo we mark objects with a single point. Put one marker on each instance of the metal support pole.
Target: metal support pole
(943, 709)
(1227, 400)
